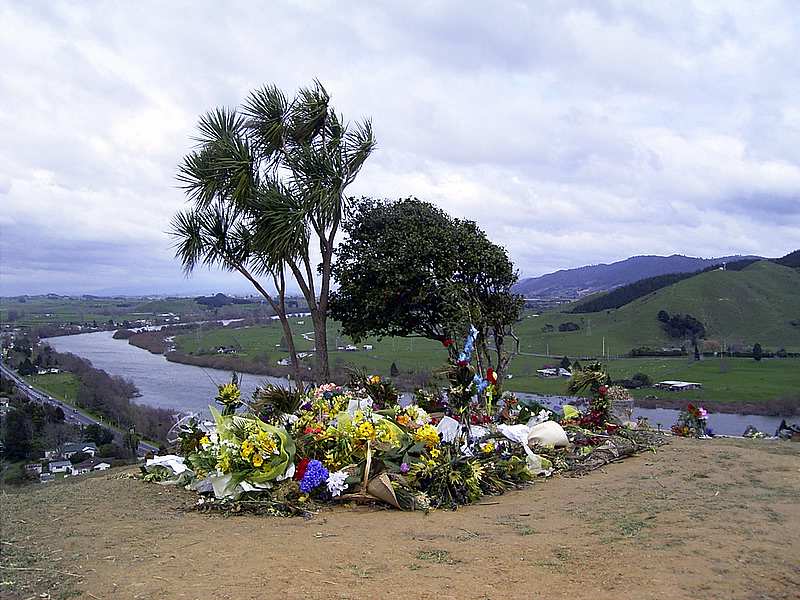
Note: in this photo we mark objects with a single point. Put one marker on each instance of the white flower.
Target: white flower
(336, 483)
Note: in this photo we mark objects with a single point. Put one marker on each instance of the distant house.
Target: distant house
(89, 465)
(45, 477)
(74, 447)
(367, 347)
(678, 386)
(60, 466)
(553, 372)
(350, 348)
(34, 468)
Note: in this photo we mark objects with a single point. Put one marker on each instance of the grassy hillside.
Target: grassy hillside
(756, 304)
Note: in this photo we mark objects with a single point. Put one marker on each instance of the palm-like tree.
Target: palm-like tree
(267, 184)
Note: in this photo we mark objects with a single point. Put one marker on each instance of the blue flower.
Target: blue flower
(315, 474)
(480, 383)
(469, 345)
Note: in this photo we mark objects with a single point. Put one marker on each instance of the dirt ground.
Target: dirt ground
(697, 519)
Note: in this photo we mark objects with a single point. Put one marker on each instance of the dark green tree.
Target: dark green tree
(97, 434)
(565, 363)
(131, 440)
(758, 352)
(409, 269)
(393, 370)
(26, 368)
(267, 183)
(79, 457)
(17, 435)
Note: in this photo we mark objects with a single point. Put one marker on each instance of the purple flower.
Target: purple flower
(404, 468)
(315, 474)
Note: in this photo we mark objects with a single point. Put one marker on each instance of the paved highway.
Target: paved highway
(71, 415)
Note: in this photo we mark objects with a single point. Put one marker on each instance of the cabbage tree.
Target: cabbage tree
(278, 168)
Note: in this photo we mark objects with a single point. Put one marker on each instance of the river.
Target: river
(165, 384)
(184, 388)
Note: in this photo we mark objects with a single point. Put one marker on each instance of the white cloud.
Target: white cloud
(572, 135)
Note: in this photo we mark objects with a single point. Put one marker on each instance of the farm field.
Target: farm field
(725, 380)
(33, 311)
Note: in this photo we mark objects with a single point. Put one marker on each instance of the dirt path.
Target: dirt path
(715, 519)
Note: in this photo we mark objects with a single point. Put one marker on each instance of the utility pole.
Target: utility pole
(604, 346)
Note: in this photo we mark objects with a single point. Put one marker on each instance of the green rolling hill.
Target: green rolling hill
(756, 304)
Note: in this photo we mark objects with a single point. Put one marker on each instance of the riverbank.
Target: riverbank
(775, 407)
(694, 520)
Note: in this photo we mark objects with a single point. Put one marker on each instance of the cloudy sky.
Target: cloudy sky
(574, 133)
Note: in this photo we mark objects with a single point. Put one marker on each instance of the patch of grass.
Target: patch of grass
(632, 527)
(440, 557)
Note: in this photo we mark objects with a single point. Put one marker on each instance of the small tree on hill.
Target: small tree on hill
(758, 352)
(393, 370)
(409, 269)
(565, 363)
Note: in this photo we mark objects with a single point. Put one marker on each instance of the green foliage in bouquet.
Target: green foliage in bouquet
(272, 403)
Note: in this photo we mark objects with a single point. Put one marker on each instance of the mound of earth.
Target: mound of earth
(697, 519)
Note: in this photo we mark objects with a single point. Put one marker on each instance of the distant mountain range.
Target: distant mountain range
(582, 281)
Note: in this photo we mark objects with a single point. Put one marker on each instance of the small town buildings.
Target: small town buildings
(59, 466)
(45, 477)
(367, 347)
(678, 386)
(34, 468)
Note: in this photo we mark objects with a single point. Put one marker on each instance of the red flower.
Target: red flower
(301, 469)
(447, 342)
(462, 363)
(602, 390)
(491, 376)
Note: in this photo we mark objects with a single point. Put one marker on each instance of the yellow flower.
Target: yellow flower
(258, 460)
(224, 463)
(247, 448)
(428, 435)
(435, 452)
(488, 448)
(229, 393)
(375, 379)
(366, 431)
(204, 441)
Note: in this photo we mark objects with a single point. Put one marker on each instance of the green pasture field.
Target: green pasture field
(724, 379)
(63, 386)
(758, 304)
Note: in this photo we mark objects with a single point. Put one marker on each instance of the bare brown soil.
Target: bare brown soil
(697, 519)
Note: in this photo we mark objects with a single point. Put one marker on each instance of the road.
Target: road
(71, 415)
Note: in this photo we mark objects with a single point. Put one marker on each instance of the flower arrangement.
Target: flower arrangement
(288, 450)
(692, 422)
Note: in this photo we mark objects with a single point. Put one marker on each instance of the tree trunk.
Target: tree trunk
(287, 333)
(320, 319)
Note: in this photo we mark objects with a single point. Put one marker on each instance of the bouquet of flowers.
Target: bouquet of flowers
(692, 422)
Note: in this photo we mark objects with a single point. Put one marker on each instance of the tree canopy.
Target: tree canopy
(409, 269)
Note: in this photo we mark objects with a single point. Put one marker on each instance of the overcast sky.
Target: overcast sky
(573, 133)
